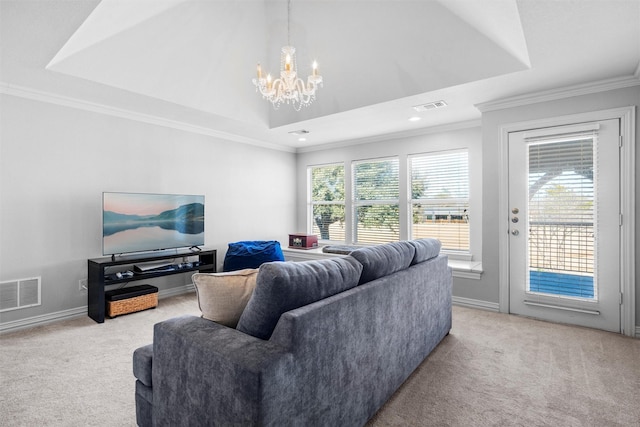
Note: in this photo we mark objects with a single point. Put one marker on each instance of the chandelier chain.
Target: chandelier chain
(288, 22)
(288, 87)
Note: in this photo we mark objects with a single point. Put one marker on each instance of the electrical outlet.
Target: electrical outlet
(82, 284)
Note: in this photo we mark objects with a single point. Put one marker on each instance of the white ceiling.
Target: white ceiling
(192, 61)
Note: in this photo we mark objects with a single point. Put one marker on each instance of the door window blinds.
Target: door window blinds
(562, 214)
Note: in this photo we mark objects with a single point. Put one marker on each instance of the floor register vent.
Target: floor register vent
(21, 293)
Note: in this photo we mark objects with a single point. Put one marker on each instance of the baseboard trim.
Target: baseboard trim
(42, 319)
(476, 303)
(72, 313)
(492, 306)
(58, 316)
(178, 290)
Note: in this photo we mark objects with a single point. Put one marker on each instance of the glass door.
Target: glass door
(564, 224)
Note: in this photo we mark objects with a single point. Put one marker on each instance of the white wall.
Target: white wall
(56, 161)
(491, 123)
(448, 138)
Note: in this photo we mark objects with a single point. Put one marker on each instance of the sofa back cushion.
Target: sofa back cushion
(284, 286)
(382, 260)
(425, 249)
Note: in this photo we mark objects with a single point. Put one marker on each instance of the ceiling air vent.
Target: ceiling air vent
(299, 132)
(430, 106)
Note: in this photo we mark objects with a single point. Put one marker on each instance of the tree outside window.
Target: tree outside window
(327, 201)
(438, 187)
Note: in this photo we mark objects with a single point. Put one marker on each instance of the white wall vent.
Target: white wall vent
(430, 106)
(299, 132)
(21, 293)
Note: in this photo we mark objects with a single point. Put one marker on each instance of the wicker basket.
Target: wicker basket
(122, 303)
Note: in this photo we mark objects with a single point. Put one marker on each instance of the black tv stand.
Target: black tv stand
(98, 277)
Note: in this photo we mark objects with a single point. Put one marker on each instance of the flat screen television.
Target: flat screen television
(140, 222)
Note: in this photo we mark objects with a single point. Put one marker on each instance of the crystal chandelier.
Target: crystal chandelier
(289, 87)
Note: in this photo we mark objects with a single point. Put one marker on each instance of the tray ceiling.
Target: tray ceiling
(378, 58)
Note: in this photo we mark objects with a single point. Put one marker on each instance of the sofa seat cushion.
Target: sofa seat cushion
(284, 286)
(425, 249)
(222, 297)
(251, 254)
(382, 260)
(142, 362)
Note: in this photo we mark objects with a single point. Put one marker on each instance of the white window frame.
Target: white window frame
(311, 203)
(464, 265)
(357, 203)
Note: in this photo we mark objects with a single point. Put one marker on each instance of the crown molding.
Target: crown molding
(66, 101)
(561, 93)
(449, 127)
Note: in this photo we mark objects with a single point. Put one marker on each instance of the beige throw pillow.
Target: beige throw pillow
(223, 296)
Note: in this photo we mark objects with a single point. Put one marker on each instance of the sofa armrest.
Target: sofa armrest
(205, 373)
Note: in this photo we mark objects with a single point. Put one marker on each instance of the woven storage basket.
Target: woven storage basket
(130, 300)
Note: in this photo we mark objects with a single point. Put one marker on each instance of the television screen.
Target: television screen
(134, 222)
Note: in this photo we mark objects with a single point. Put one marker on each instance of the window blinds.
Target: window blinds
(561, 214)
(440, 198)
(376, 216)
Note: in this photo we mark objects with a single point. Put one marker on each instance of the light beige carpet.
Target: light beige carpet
(493, 369)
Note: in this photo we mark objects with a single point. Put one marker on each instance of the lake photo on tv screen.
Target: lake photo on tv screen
(134, 222)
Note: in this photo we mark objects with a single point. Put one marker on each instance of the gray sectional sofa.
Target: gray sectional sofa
(320, 343)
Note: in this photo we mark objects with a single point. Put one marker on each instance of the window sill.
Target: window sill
(460, 268)
(291, 254)
(466, 269)
(458, 255)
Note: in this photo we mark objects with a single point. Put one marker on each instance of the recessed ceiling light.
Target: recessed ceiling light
(414, 119)
(302, 139)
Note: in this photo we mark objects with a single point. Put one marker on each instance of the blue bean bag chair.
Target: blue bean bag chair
(251, 254)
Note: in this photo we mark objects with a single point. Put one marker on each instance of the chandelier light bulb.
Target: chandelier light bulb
(269, 83)
(287, 63)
